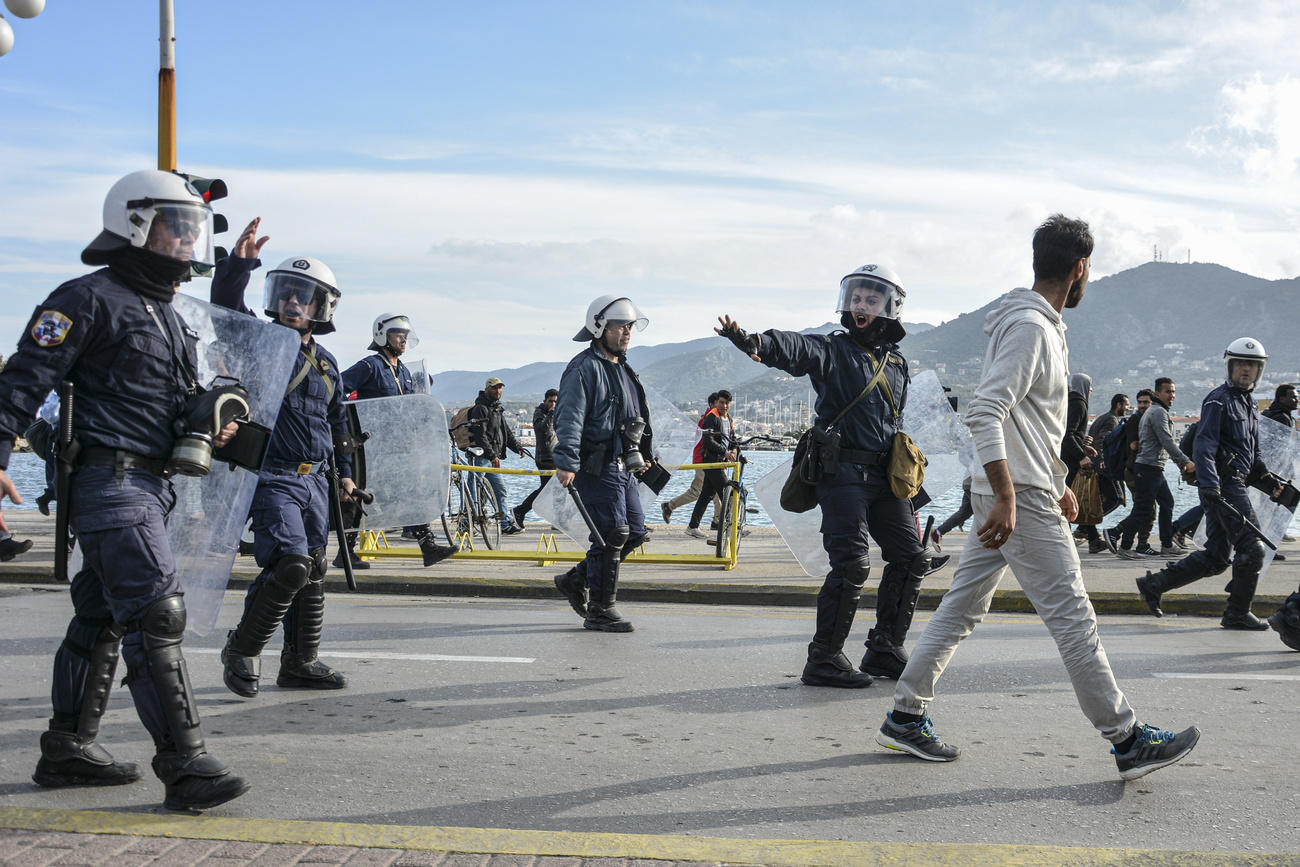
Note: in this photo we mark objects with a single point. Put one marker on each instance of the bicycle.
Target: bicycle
(736, 496)
(471, 505)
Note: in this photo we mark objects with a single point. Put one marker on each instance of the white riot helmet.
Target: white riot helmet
(873, 290)
(610, 308)
(308, 281)
(1246, 349)
(156, 211)
(386, 322)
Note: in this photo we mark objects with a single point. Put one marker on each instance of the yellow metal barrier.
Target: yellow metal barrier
(549, 552)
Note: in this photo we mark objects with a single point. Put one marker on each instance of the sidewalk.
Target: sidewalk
(39, 837)
(766, 574)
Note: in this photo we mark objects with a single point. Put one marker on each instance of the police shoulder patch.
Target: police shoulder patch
(51, 328)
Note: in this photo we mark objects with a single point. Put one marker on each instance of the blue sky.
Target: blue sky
(489, 168)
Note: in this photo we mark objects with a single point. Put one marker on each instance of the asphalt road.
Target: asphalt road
(506, 714)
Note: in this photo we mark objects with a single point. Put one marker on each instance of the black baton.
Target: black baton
(1246, 522)
(586, 517)
(336, 509)
(62, 473)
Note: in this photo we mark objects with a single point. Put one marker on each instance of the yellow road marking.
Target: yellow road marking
(778, 853)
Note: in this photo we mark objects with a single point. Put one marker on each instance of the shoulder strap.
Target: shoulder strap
(877, 379)
(309, 352)
(889, 392)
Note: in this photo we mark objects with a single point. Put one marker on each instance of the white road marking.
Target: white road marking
(1192, 675)
(412, 657)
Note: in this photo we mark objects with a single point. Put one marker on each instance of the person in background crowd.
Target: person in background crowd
(544, 449)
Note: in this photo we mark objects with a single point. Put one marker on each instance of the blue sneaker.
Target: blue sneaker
(917, 738)
(1154, 749)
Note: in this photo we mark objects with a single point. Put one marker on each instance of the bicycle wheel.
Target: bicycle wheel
(724, 519)
(484, 513)
(455, 520)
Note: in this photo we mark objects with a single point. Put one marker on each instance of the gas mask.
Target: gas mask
(205, 415)
(630, 432)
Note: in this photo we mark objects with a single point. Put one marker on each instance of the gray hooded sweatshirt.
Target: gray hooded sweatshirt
(1019, 409)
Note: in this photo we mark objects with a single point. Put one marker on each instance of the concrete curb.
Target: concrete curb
(697, 592)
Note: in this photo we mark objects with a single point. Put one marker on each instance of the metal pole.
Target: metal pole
(166, 86)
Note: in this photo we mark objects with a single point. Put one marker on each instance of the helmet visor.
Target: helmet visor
(178, 230)
(621, 313)
(1241, 367)
(398, 326)
(865, 295)
(293, 296)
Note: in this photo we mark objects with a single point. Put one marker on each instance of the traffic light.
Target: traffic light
(211, 189)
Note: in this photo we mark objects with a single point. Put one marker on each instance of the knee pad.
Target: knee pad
(292, 571)
(318, 564)
(1250, 555)
(856, 573)
(163, 622)
(617, 538)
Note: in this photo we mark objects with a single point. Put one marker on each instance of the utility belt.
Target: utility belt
(301, 468)
(120, 460)
(865, 458)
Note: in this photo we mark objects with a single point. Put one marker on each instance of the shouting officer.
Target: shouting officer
(1226, 454)
(602, 429)
(290, 509)
(854, 373)
(384, 375)
(131, 360)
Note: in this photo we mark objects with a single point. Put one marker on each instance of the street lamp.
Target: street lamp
(22, 9)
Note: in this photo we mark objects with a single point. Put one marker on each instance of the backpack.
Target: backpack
(1189, 438)
(1113, 455)
(461, 435)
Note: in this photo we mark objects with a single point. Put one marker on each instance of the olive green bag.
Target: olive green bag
(906, 471)
(799, 493)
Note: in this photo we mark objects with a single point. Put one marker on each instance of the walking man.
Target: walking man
(1022, 513)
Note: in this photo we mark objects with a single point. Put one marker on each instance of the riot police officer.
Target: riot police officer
(384, 375)
(602, 428)
(855, 495)
(132, 361)
(290, 511)
(1226, 454)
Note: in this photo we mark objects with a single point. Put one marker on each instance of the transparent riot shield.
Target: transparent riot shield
(205, 526)
(1279, 447)
(419, 376)
(937, 430)
(408, 459)
(675, 435)
(555, 504)
(801, 531)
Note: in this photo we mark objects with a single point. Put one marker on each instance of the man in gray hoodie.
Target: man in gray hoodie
(1022, 509)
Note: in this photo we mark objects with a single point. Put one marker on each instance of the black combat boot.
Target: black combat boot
(265, 608)
(836, 605)
(602, 616)
(574, 589)
(900, 588)
(300, 668)
(69, 754)
(1241, 592)
(193, 778)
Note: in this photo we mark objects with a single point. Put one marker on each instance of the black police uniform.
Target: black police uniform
(856, 500)
(131, 360)
(596, 397)
(1226, 454)
(290, 514)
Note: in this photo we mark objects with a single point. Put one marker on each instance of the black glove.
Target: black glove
(747, 343)
(1214, 495)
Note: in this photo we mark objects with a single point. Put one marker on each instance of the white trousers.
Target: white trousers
(1041, 553)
